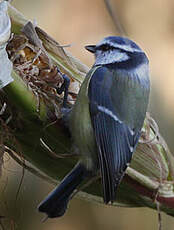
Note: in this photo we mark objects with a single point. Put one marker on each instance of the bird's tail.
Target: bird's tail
(55, 204)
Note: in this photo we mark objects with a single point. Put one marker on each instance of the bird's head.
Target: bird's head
(117, 50)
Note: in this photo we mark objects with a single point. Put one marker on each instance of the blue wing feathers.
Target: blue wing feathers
(114, 139)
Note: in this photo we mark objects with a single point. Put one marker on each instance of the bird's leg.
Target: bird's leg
(64, 88)
(65, 111)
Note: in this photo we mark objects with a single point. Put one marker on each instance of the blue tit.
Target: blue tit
(106, 120)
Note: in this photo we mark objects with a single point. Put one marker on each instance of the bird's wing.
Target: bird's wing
(115, 137)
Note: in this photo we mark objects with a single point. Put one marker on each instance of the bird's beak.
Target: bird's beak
(91, 48)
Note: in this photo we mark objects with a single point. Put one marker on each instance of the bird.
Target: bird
(106, 120)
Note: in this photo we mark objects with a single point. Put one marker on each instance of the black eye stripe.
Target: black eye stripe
(106, 47)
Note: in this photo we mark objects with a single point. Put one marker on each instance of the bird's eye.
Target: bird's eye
(105, 47)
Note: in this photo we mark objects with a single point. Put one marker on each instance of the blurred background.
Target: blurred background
(79, 22)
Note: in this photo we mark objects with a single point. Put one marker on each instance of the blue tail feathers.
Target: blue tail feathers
(55, 204)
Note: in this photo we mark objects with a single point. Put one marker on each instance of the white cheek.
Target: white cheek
(110, 57)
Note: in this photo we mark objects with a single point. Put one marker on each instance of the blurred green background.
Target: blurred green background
(79, 22)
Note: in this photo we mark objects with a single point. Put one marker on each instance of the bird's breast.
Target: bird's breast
(81, 126)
